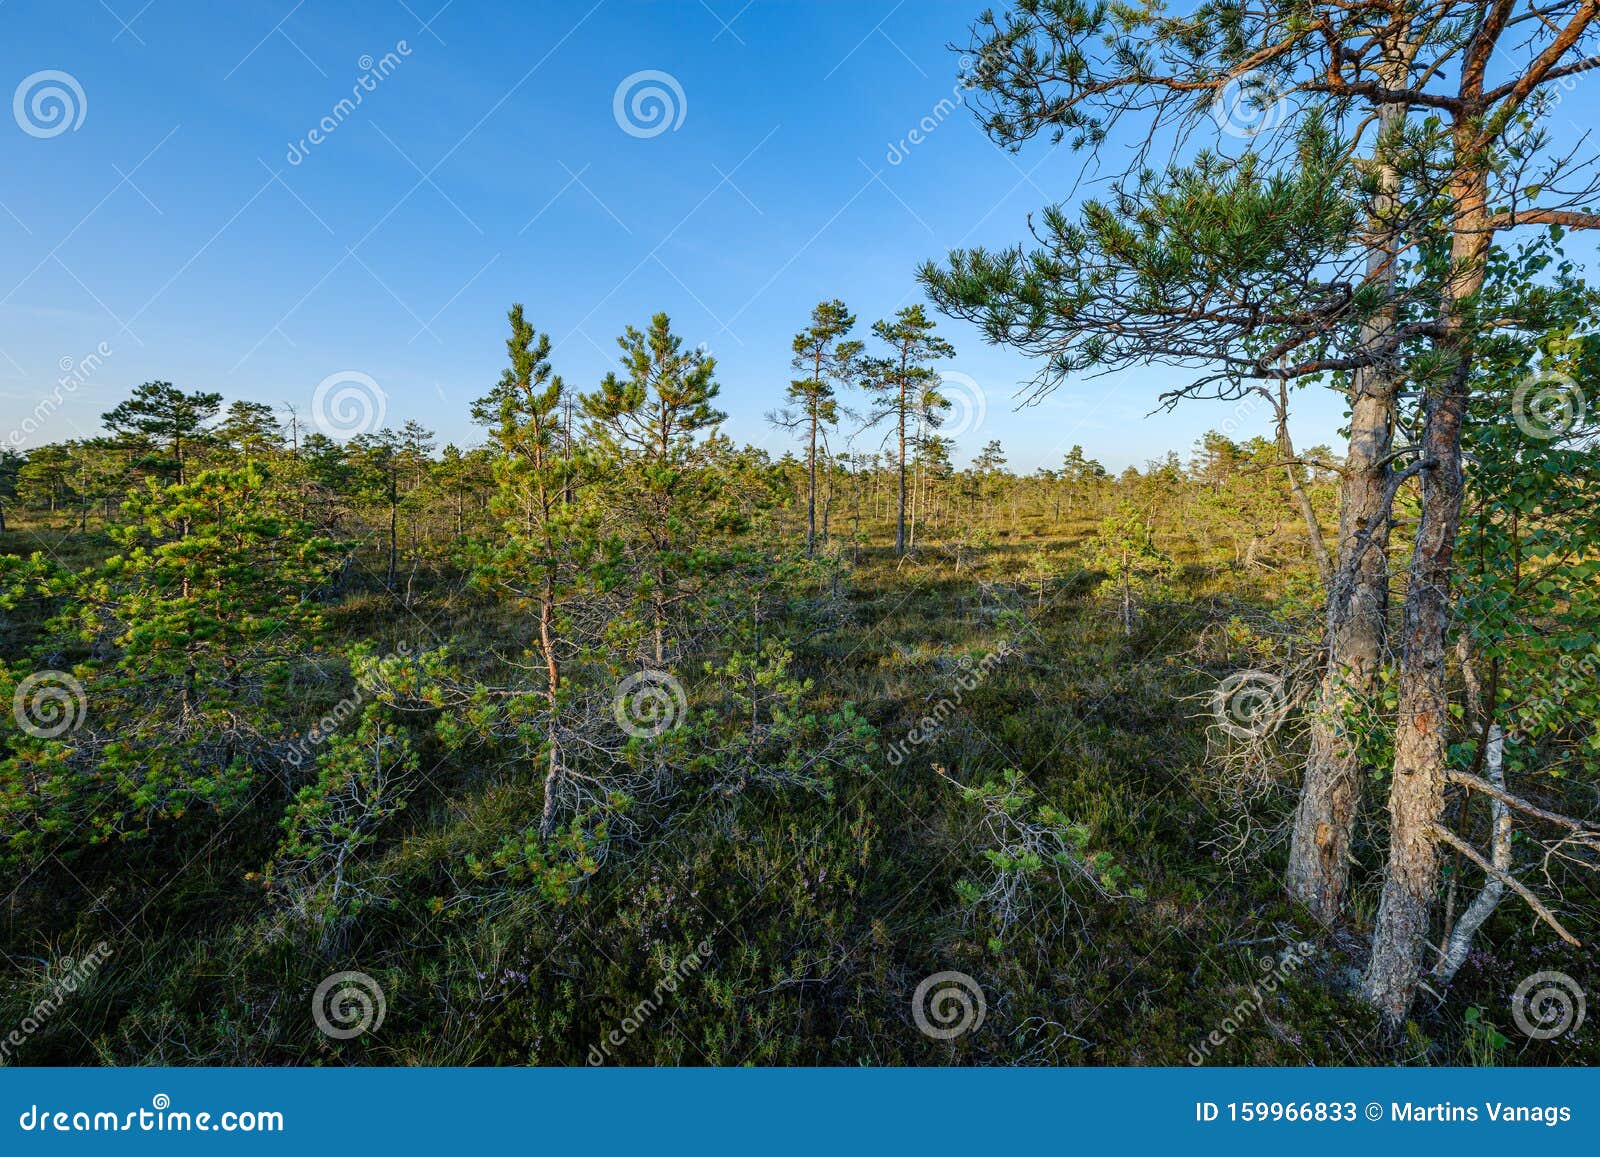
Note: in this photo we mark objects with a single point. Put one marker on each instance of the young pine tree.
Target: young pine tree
(541, 557)
(651, 424)
(1124, 550)
(188, 636)
(362, 780)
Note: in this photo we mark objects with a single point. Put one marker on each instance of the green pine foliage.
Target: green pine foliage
(519, 729)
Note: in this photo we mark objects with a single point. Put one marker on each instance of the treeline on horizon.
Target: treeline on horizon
(163, 435)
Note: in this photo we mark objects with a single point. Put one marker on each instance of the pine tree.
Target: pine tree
(822, 354)
(541, 557)
(1124, 550)
(903, 389)
(1230, 262)
(11, 464)
(186, 636)
(251, 430)
(161, 416)
(362, 781)
(651, 423)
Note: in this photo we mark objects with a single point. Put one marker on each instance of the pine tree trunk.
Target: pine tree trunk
(811, 487)
(916, 501)
(658, 601)
(1356, 623)
(394, 541)
(1416, 790)
(900, 520)
(552, 778)
(1416, 793)
(1358, 596)
(827, 503)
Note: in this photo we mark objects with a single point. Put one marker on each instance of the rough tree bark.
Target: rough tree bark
(1416, 792)
(811, 482)
(900, 516)
(1357, 608)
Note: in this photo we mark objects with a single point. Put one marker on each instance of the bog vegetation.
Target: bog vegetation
(609, 740)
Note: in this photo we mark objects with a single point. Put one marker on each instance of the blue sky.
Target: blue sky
(173, 228)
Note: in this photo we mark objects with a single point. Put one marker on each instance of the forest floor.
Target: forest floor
(794, 930)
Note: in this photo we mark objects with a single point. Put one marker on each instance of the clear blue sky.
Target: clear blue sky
(488, 167)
